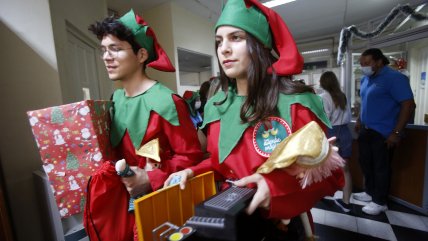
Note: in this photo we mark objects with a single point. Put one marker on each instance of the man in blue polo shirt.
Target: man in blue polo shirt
(386, 106)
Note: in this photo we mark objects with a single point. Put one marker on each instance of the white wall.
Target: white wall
(160, 19)
(31, 21)
(193, 33)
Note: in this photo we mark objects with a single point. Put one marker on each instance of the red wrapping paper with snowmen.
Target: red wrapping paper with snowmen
(73, 140)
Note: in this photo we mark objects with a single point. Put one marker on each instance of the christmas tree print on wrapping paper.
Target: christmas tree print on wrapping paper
(72, 162)
(57, 116)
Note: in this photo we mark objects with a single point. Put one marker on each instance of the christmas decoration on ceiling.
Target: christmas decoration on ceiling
(347, 32)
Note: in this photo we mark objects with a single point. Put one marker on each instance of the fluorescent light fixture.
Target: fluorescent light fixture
(274, 3)
(315, 51)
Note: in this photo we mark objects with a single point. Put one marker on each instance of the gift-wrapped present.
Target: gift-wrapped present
(73, 140)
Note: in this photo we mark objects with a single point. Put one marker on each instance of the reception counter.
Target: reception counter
(409, 184)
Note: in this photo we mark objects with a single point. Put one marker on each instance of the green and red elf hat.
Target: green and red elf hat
(146, 38)
(269, 28)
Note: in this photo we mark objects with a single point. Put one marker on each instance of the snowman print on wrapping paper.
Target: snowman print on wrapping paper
(86, 134)
(48, 167)
(73, 183)
(97, 156)
(59, 140)
(34, 120)
(63, 212)
(84, 111)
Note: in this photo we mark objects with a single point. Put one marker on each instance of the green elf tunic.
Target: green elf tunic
(156, 113)
(237, 149)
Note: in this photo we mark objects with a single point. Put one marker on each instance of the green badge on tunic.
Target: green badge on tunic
(265, 139)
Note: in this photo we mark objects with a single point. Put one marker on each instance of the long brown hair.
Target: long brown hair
(263, 88)
(329, 82)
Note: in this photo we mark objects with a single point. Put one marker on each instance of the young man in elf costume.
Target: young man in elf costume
(145, 112)
(259, 106)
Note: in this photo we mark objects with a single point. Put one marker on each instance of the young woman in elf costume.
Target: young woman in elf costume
(258, 107)
(145, 112)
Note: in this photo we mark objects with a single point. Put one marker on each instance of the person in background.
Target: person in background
(259, 105)
(145, 112)
(193, 100)
(203, 94)
(387, 105)
(339, 113)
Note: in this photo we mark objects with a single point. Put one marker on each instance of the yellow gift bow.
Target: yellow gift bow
(150, 150)
(308, 147)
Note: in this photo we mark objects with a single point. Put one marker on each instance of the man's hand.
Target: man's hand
(393, 140)
(137, 184)
(262, 197)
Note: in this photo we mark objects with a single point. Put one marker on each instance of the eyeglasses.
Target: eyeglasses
(112, 51)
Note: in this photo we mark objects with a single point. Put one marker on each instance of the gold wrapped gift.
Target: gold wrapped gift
(308, 146)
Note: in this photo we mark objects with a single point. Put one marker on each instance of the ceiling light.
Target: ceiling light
(274, 3)
(315, 51)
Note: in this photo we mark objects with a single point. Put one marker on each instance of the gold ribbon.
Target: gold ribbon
(308, 147)
(150, 150)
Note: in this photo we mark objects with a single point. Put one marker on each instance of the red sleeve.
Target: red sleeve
(202, 167)
(184, 143)
(212, 142)
(288, 199)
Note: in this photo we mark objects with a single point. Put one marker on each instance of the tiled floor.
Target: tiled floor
(396, 224)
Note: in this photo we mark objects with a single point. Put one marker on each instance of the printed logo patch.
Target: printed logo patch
(265, 139)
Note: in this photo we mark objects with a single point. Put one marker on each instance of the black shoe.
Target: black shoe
(345, 207)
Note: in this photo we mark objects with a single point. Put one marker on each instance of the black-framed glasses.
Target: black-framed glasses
(112, 51)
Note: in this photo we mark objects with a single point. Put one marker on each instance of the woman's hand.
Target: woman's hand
(183, 176)
(137, 184)
(262, 196)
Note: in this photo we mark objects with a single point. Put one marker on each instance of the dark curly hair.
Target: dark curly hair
(112, 25)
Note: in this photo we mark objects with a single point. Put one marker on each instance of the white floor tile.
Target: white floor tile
(339, 220)
(425, 221)
(406, 220)
(375, 229)
(318, 215)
